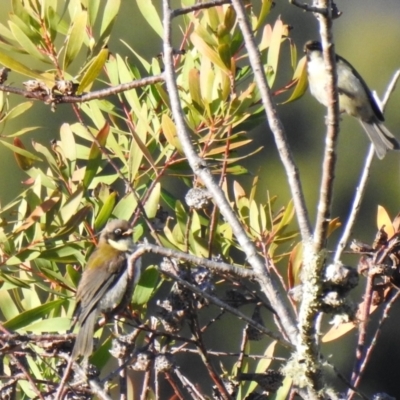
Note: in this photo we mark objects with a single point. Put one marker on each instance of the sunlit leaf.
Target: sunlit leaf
(105, 210)
(27, 317)
(38, 212)
(93, 71)
(207, 51)
(26, 43)
(110, 12)
(150, 13)
(125, 207)
(55, 324)
(300, 79)
(169, 131)
(20, 151)
(75, 38)
(23, 162)
(294, 266)
(274, 50)
(18, 110)
(146, 285)
(383, 221)
(266, 6)
(153, 202)
(283, 392)
(95, 155)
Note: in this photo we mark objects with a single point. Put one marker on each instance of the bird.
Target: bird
(355, 98)
(103, 282)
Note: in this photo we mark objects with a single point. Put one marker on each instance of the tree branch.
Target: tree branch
(269, 284)
(275, 123)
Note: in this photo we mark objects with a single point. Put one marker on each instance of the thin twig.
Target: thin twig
(360, 191)
(363, 179)
(177, 391)
(146, 385)
(227, 307)
(95, 95)
(188, 385)
(378, 331)
(198, 6)
(214, 266)
(332, 121)
(362, 332)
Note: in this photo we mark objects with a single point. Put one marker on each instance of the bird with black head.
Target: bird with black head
(355, 98)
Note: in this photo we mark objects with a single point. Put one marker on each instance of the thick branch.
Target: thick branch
(274, 122)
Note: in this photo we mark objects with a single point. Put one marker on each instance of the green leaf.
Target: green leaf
(224, 52)
(45, 151)
(93, 70)
(27, 317)
(75, 220)
(150, 14)
(194, 87)
(68, 146)
(26, 43)
(204, 49)
(283, 392)
(125, 207)
(71, 206)
(110, 14)
(23, 162)
(22, 69)
(93, 9)
(300, 77)
(274, 50)
(51, 275)
(169, 131)
(18, 110)
(265, 10)
(75, 38)
(146, 286)
(70, 253)
(105, 210)
(56, 324)
(22, 131)
(73, 274)
(95, 155)
(153, 202)
(7, 304)
(20, 151)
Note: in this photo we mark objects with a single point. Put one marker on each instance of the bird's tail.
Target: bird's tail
(381, 137)
(84, 339)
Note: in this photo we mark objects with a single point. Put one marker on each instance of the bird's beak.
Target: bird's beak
(128, 232)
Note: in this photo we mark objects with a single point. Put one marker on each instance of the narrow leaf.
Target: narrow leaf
(93, 71)
(95, 156)
(150, 14)
(76, 38)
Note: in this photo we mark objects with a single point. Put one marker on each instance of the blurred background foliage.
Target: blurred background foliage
(73, 198)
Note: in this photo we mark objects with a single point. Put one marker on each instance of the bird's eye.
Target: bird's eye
(118, 232)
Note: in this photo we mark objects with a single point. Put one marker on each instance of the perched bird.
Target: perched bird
(103, 283)
(355, 98)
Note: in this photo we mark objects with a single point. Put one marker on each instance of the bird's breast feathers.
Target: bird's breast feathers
(353, 98)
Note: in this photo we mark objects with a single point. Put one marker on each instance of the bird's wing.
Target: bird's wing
(374, 105)
(104, 279)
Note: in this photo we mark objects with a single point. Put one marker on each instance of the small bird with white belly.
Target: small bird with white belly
(103, 283)
(355, 98)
